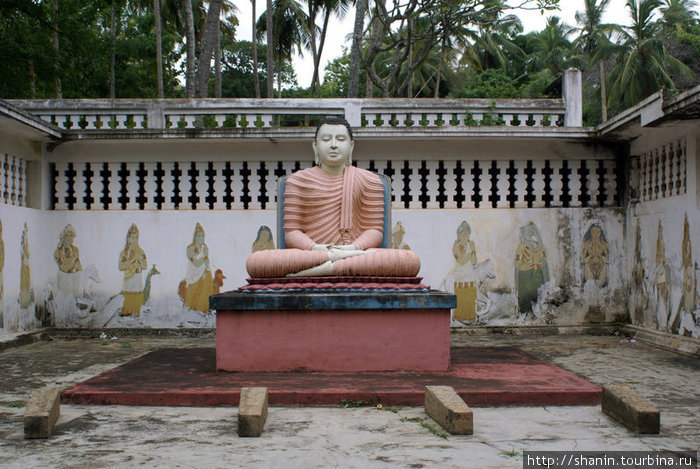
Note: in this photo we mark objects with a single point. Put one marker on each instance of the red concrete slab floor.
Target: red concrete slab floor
(482, 376)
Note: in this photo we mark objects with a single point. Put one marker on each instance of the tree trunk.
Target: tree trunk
(56, 68)
(317, 63)
(314, 50)
(409, 70)
(603, 101)
(439, 70)
(217, 63)
(208, 42)
(112, 53)
(159, 48)
(354, 82)
(189, 28)
(270, 47)
(255, 53)
(32, 78)
(279, 79)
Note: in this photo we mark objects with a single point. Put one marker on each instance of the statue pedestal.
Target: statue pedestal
(333, 331)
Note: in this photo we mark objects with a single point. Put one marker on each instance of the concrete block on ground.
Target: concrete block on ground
(42, 412)
(252, 411)
(443, 404)
(623, 404)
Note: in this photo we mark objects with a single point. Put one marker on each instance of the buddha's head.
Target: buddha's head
(333, 145)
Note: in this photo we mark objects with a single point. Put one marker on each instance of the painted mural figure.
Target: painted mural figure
(2, 263)
(132, 261)
(595, 256)
(686, 305)
(200, 284)
(264, 240)
(25, 281)
(67, 257)
(397, 241)
(531, 270)
(661, 282)
(2, 268)
(464, 274)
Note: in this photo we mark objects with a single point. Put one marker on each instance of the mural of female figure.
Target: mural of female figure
(25, 281)
(595, 256)
(132, 261)
(660, 282)
(2, 268)
(531, 270)
(200, 284)
(68, 259)
(264, 240)
(464, 274)
(687, 302)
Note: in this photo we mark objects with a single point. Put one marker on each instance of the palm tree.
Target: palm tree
(190, 38)
(254, 42)
(159, 47)
(355, 51)
(677, 14)
(270, 34)
(593, 34)
(550, 47)
(643, 65)
(289, 26)
(491, 45)
(338, 8)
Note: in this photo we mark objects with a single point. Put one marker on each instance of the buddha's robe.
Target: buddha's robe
(323, 208)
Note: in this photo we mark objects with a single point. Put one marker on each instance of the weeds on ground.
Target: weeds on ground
(427, 425)
(347, 404)
(16, 404)
(510, 454)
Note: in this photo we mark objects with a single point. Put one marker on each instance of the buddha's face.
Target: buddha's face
(333, 146)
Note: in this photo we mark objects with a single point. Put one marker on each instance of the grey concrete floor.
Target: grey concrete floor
(188, 437)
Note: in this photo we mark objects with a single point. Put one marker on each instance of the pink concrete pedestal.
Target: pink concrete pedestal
(396, 331)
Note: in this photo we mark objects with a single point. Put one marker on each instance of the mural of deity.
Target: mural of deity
(531, 271)
(595, 256)
(464, 273)
(397, 241)
(638, 267)
(200, 284)
(686, 305)
(2, 268)
(2, 263)
(25, 281)
(264, 240)
(660, 285)
(68, 260)
(132, 261)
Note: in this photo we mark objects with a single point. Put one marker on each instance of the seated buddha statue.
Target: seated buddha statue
(333, 218)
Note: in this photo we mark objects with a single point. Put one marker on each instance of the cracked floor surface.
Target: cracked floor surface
(364, 437)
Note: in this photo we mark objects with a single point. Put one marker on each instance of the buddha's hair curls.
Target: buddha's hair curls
(333, 120)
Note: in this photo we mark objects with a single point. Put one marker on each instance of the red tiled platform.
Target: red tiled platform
(483, 376)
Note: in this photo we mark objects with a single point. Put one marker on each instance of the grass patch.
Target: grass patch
(152, 348)
(425, 423)
(127, 345)
(510, 454)
(16, 404)
(347, 404)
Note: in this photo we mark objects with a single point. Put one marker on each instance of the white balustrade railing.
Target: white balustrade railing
(266, 114)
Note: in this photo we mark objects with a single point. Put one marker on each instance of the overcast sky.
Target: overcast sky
(339, 30)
